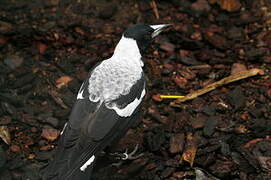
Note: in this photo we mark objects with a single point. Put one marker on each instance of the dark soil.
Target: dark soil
(48, 47)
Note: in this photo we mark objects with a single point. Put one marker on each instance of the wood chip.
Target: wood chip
(157, 97)
(50, 134)
(237, 67)
(176, 143)
(15, 148)
(230, 5)
(180, 81)
(42, 48)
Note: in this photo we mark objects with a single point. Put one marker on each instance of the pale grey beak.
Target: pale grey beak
(158, 28)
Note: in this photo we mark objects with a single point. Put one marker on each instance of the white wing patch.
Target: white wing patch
(63, 129)
(80, 93)
(83, 168)
(129, 109)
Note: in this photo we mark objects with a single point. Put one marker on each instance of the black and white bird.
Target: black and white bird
(107, 104)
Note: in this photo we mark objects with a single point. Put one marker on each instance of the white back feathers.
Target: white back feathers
(116, 76)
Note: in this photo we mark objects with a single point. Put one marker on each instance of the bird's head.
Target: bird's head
(143, 34)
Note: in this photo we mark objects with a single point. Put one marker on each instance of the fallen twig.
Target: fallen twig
(154, 8)
(210, 87)
(170, 97)
(57, 99)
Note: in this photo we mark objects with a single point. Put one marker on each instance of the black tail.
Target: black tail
(63, 163)
(52, 172)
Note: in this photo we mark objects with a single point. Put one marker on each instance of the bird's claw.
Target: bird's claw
(128, 156)
(131, 155)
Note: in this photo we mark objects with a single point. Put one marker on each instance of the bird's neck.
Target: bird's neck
(128, 50)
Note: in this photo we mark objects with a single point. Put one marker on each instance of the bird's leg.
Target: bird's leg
(128, 156)
(132, 155)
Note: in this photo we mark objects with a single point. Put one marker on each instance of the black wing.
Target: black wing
(91, 127)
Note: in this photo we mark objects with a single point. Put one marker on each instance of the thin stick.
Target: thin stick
(210, 87)
(57, 99)
(154, 8)
(170, 96)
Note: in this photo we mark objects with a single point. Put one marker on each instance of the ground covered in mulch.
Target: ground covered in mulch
(48, 47)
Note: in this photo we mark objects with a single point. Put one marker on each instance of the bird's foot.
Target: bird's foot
(132, 155)
(128, 156)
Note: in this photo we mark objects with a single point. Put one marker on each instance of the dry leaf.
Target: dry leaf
(190, 149)
(4, 134)
(63, 81)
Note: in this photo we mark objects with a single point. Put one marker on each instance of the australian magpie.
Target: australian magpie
(107, 104)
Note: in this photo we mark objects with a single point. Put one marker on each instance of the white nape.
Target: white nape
(128, 47)
(83, 168)
(130, 108)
